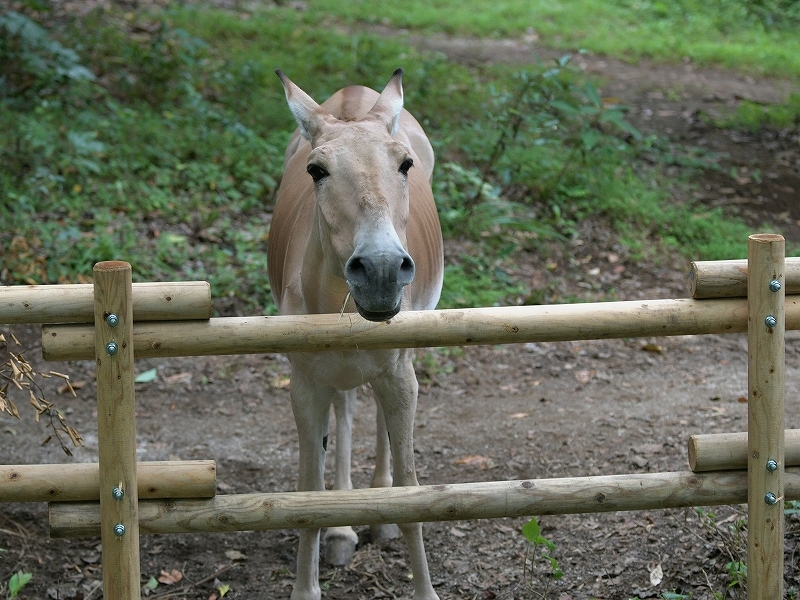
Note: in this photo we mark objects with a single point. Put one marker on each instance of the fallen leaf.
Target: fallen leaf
(585, 377)
(457, 532)
(170, 578)
(68, 387)
(223, 589)
(478, 461)
(235, 555)
(656, 575)
(653, 348)
(519, 415)
(184, 377)
(148, 376)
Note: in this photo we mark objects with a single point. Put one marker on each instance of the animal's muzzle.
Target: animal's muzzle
(376, 282)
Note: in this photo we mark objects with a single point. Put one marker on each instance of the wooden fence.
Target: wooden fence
(159, 320)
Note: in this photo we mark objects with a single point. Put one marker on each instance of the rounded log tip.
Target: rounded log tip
(112, 265)
(766, 237)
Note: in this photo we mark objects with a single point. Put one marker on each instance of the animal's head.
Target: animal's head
(360, 176)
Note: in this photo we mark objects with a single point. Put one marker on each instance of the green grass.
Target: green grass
(164, 149)
(731, 33)
(753, 116)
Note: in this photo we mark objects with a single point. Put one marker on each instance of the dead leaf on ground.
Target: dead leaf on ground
(656, 575)
(170, 578)
(585, 377)
(475, 461)
(184, 377)
(280, 382)
(68, 387)
(235, 555)
(519, 415)
(653, 348)
(457, 532)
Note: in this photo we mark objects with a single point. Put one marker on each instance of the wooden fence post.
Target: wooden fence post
(116, 430)
(765, 428)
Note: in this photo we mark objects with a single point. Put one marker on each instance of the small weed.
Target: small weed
(675, 596)
(737, 571)
(533, 533)
(18, 581)
(730, 535)
(436, 361)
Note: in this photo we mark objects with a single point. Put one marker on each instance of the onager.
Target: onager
(355, 230)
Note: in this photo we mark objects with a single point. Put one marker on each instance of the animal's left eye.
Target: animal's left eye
(406, 165)
(317, 173)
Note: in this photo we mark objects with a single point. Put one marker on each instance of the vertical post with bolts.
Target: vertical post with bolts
(765, 425)
(116, 429)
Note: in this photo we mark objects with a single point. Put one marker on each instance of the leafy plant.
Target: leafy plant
(737, 571)
(18, 581)
(533, 533)
(32, 63)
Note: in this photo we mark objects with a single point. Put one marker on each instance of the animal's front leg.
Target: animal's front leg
(341, 542)
(311, 408)
(382, 477)
(397, 394)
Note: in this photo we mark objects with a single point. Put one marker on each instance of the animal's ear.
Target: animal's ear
(390, 103)
(308, 114)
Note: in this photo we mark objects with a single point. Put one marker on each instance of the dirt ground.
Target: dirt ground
(485, 413)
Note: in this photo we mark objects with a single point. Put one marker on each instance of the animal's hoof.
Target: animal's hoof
(384, 532)
(339, 551)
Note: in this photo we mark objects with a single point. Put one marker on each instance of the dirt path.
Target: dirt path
(485, 413)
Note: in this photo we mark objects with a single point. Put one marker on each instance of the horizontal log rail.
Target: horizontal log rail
(728, 278)
(724, 451)
(167, 301)
(421, 329)
(81, 481)
(463, 501)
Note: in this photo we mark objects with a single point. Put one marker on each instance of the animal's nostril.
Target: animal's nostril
(356, 270)
(406, 274)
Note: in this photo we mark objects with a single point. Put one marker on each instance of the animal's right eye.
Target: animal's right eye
(317, 173)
